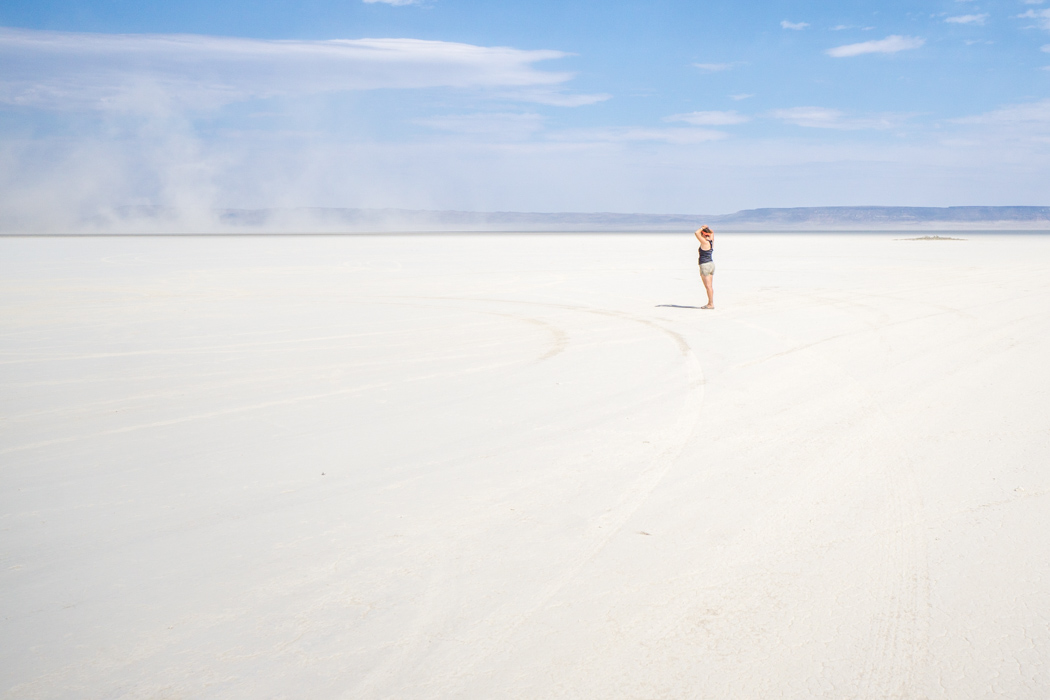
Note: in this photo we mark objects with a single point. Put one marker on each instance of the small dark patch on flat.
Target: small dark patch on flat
(676, 306)
(932, 238)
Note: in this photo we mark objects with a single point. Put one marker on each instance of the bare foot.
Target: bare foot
(708, 306)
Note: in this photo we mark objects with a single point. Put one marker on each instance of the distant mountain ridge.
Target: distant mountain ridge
(895, 216)
(158, 219)
(768, 219)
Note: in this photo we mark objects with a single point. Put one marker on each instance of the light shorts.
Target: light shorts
(707, 269)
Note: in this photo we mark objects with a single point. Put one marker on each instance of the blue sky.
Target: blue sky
(671, 107)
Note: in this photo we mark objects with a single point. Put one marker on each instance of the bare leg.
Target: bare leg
(709, 285)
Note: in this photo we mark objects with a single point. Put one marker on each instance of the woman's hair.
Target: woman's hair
(706, 229)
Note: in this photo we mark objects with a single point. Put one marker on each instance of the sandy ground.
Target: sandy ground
(523, 467)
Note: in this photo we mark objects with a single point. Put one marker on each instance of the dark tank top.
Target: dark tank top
(705, 255)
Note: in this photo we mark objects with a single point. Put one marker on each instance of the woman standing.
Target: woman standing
(706, 237)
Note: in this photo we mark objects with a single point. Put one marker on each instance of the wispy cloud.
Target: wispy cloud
(500, 125)
(891, 44)
(129, 71)
(823, 118)
(713, 67)
(1042, 17)
(1012, 115)
(634, 134)
(742, 96)
(1026, 125)
(793, 25)
(967, 19)
(553, 97)
(709, 118)
(1045, 47)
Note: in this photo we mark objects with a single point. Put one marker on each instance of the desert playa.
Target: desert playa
(525, 466)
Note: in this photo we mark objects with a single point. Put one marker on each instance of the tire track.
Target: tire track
(601, 530)
(899, 627)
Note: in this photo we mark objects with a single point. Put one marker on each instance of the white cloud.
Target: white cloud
(1043, 17)
(818, 117)
(793, 25)
(501, 125)
(634, 134)
(709, 118)
(967, 19)
(1012, 115)
(135, 71)
(823, 118)
(1046, 48)
(1025, 126)
(742, 96)
(548, 96)
(890, 44)
(840, 27)
(713, 67)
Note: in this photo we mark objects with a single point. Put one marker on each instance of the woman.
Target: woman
(706, 237)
